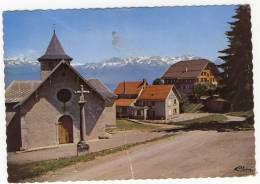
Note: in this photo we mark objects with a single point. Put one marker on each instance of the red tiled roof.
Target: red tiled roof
(128, 88)
(155, 92)
(124, 102)
(186, 69)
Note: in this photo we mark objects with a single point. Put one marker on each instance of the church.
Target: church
(46, 112)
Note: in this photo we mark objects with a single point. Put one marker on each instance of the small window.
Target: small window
(175, 101)
(175, 111)
(170, 112)
(64, 95)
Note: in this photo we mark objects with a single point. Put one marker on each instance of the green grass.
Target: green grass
(212, 122)
(23, 172)
(192, 107)
(245, 114)
(211, 118)
(122, 125)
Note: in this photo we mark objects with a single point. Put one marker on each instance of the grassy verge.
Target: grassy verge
(215, 117)
(212, 122)
(192, 107)
(245, 114)
(21, 172)
(122, 125)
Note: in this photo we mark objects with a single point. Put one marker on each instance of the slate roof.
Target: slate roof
(123, 102)
(188, 69)
(102, 89)
(19, 90)
(156, 92)
(55, 50)
(129, 88)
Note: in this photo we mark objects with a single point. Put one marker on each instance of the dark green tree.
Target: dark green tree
(237, 77)
(158, 81)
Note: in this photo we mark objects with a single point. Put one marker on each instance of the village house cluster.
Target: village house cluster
(46, 112)
(138, 100)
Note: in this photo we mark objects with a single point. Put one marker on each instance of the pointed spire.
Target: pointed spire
(55, 50)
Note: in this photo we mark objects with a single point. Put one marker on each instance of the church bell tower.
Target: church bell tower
(53, 55)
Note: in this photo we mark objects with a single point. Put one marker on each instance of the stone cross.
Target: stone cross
(82, 147)
(82, 92)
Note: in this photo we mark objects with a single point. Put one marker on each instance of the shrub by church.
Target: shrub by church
(46, 112)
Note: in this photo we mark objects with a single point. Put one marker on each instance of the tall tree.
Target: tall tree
(237, 78)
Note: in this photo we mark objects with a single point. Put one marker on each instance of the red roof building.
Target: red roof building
(138, 100)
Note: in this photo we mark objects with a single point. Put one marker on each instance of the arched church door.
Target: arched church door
(65, 128)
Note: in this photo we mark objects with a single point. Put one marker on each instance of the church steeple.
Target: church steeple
(53, 55)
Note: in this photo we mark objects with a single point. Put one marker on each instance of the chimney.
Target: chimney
(124, 87)
(144, 82)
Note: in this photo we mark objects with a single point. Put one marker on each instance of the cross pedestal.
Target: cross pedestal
(82, 146)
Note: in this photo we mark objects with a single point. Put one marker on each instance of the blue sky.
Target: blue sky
(92, 35)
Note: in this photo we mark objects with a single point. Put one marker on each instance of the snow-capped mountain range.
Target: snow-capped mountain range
(110, 71)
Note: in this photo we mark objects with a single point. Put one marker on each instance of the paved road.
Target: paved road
(68, 150)
(191, 154)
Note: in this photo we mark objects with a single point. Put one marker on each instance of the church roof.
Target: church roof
(55, 50)
(19, 90)
(102, 89)
(33, 88)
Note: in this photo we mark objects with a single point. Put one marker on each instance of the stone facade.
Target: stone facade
(37, 115)
(40, 113)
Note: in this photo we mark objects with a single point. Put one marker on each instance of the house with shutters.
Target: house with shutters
(46, 112)
(186, 74)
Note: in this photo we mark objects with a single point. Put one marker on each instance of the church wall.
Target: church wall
(41, 112)
(103, 116)
(110, 116)
(13, 133)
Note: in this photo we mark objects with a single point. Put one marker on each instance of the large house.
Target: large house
(46, 112)
(186, 74)
(159, 102)
(138, 100)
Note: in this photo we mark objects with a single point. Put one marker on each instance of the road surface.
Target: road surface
(190, 154)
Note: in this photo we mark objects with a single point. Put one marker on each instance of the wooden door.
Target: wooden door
(65, 130)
